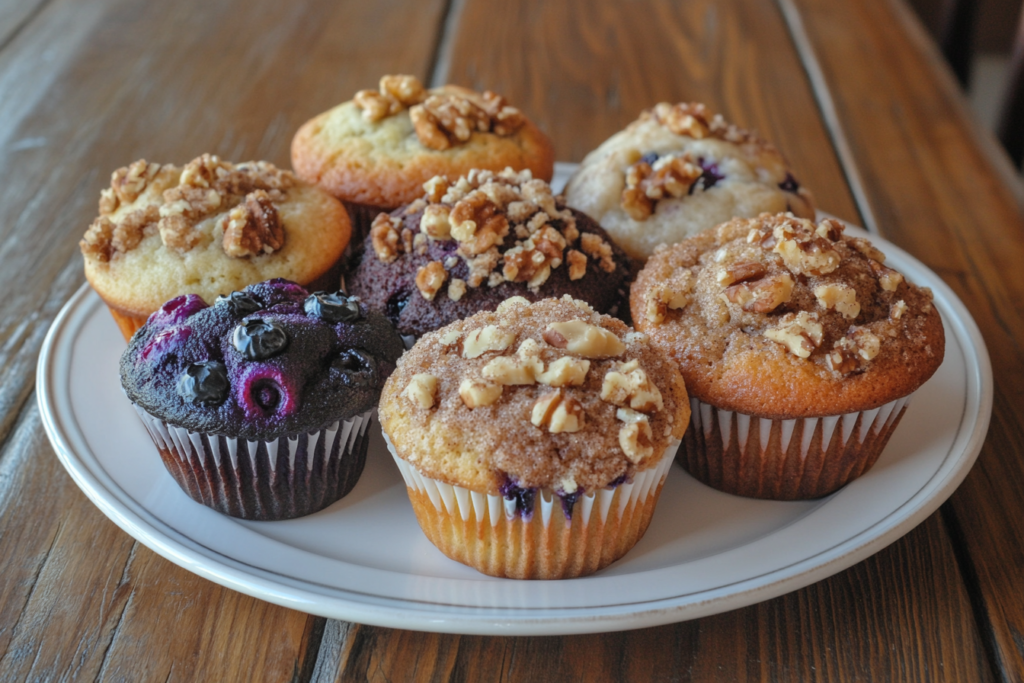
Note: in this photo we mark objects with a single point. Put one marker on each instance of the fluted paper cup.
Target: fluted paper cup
(791, 459)
(292, 476)
(557, 540)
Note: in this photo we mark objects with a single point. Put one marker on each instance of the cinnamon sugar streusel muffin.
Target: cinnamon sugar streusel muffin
(208, 228)
(534, 440)
(376, 151)
(799, 347)
(468, 244)
(678, 170)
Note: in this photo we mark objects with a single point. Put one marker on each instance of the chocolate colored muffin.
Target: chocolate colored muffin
(259, 404)
(468, 245)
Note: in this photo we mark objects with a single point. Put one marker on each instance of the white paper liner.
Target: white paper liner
(460, 501)
(214, 454)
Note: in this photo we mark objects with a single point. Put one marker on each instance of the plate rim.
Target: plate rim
(131, 517)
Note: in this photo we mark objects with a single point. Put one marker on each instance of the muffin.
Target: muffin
(534, 440)
(260, 404)
(467, 245)
(208, 228)
(376, 151)
(678, 170)
(799, 347)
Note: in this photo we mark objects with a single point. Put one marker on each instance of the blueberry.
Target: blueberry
(568, 501)
(358, 368)
(524, 497)
(789, 184)
(176, 310)
(258, 338)
(395, 305)
(205, 382)
(708, 178)
(332, 308)
(649, 158)
(239, 303)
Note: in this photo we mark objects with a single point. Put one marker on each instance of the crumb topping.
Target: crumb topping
(207, 186)
(566, 393)
(697, 121)
(479, 211)
(821, 296)
(442, 118)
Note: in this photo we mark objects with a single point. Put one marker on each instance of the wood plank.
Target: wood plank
(845, 628)
(583, 70)
(87, 86)
(943, 190)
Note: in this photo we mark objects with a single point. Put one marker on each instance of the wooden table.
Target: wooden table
(851, 91)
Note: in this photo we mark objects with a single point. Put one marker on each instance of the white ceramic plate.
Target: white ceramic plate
(364, 558)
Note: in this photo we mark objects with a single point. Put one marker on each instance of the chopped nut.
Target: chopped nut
(888, 278)
(129, 231)
(636, 440)
(436, 188)
(129, 182)
(557, 412)
(628, 385)
(446, 119)
(177, 233)
(96, 241)
(830, 229)
(584, 339)
(108, 201)
(854, 351)
(598, 249)
(865, 247)
(376, 106)
(513, 370)
(800, 333)
(897, 310)
(421, 390)
(407, 90)
(475, 394)
(810, 257)
(477, 224)
(429, 279)
(684, 119)
(385, 238)
(671, 176)
(450, 337)
(673, 294)
(253, 228)
(484, 339)
(510, 303)
(761, 296)
(741, 272)
(843, 298)
(435, 222)
(565, 372)
(456, 289)
(481, 266)
(577, 264)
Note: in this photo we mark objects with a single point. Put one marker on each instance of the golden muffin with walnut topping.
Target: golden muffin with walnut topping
(799, 346)
(376, 151)
(208, 228)
(534, 440)
(677, 170)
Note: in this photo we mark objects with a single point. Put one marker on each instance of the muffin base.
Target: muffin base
(292, 476)
(792, 459)
(485, 532)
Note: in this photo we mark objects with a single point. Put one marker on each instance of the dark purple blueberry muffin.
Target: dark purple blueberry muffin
(468, 245)
(260, 404)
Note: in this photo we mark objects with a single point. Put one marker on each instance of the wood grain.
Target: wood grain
(845, 628)
(584, 70)
(943, 190)
(87, 86)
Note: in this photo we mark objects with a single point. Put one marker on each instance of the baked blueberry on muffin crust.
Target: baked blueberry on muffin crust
(206, 228)
(677, 170)
(259, 404)
(534, 440)
(799, 347)
(469, 243)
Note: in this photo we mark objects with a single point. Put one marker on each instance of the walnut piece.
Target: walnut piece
(865, 247)
(577, 261)
(595, 247)
(129, 182)
(477, 224)
(253, 228)
(96, 242)
(558, 413)
(674, 294)
(635, 436)
(888, 278)
(897, 310)
(628, 386)
(510, 303)
(456, 289)
(843, 298)
(421, 390)
(565, 372)
(394, 94)
(384, 237)
(429, 279)
(513, 370)
(435, 222)
(761, 296)
(484, 339)
(854, 351)
(800, 333)
(670, 176)
(684, 119)
(583, 339)
(741, 272)
(475, 393)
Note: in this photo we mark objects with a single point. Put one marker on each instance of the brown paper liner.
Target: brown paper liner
(801, 469)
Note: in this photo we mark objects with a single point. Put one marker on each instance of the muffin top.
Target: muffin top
(206, 228)
(779, 317)
(678, 170)
(468, 245)
(543, 395)
(267, 361)
(380, 148)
